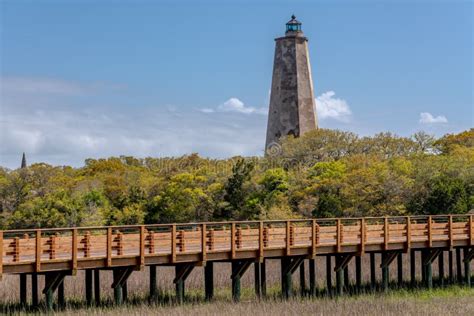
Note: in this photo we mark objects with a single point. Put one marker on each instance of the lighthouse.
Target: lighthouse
(292, 107)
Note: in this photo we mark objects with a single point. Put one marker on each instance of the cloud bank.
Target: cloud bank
(64, 122)
(51, 123)
(428, 118)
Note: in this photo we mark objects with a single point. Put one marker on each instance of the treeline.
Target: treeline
(325, 173)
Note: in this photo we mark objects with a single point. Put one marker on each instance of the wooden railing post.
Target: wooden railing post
(173, 243)
(338, 235)
(362, 236)
(288, 238)
(318, 233)
(232, 240)
(74, 251)
(386, 233)
(471, 230)
(261, 243)
(1, 254)
(141, 261)
(109, 246)
(203, 242)
(408, 233)
(38, 251)
(430, 236)
(451, 241)
(314, 234)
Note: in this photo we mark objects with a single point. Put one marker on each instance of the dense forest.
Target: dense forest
(325, 173)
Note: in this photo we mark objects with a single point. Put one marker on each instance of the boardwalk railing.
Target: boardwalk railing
(57, 253)
(43, 250)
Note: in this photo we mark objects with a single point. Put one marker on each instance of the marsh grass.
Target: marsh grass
(447, 301)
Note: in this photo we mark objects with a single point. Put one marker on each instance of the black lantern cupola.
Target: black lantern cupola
(293, 25)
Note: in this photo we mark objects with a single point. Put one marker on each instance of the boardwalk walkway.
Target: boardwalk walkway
(60, 252)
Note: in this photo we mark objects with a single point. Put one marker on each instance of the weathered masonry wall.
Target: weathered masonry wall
(292, 109)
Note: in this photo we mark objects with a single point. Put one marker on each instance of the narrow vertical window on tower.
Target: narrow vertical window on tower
(292, 107)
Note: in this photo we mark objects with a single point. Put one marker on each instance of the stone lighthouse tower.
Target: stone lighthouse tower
(292, 106)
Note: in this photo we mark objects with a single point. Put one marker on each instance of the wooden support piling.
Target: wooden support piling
(34, 290)
(97, 287)
(89, 286)
(23, 288)
(209, 281)
(286, 282)
(312, 277)
(358, 268)
(61, 297)
(373, 279)
(119, 284)
(118, 293)
(385, 273)
(179, 288)
(423, 267)
(400, 269)
(263, 278)
(451, 266)
(238, 270)
(302, 280)
(428, 256)
(288, 266)
(182, 270)
(53, 280)
(48, 294)
(441, 269)
(125, 291)
(412, 268)
(329, 275)
(467, 265)
(429, 274)
(257, 279)
(235, 282)
(339, 277)
(152, 284)
(459, 266)
(346, 278)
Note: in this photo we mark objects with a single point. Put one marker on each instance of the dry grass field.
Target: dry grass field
(451, 301)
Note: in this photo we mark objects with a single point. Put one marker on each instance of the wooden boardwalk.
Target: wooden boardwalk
(60, 252)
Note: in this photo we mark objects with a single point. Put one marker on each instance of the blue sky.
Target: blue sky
(86, 78)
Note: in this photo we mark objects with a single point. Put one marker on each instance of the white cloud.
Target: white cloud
(329, 107)
(428, 118)
(236, 106)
